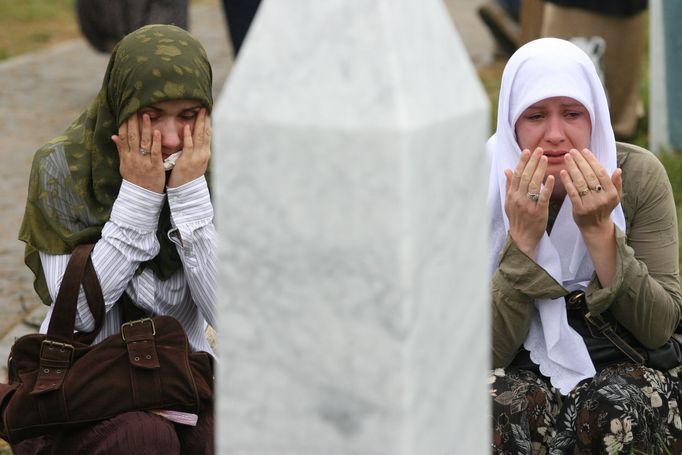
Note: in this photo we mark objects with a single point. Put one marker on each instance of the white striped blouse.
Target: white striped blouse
(128, 239)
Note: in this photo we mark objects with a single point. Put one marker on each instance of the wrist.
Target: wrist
(526, 247)
(598, 233)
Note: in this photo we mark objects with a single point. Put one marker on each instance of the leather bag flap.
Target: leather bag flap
(55, 360)
(142, 354)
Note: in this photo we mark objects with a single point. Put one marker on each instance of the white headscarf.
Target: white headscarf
(541, 69)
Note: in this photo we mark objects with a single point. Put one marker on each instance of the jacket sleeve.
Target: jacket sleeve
(645, 294)
(517, 282)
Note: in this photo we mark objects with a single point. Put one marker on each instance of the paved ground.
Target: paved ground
(42, 92)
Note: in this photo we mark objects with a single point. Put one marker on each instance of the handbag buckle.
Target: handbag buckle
(56, 344)
(138, 321)
(575, 300)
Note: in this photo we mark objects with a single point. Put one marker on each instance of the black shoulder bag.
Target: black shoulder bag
(608, 342)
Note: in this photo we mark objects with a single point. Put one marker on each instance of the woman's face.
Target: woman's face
(170, 118)
(558, 125)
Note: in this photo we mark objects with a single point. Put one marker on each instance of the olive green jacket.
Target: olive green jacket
(645, 295)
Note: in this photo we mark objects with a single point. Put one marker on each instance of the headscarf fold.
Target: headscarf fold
(541, 69)
(75, 177)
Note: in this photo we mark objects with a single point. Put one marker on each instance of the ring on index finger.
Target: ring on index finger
(598, 188)
(584, 192)
(533, 196)
(144, 151)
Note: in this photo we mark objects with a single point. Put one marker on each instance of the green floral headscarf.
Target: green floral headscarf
(75, 177)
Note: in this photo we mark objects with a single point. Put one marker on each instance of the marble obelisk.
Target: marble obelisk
(658, 107)
(665, 84)
(349, 179)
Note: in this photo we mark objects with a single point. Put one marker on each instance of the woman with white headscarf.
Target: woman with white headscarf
(580, 225)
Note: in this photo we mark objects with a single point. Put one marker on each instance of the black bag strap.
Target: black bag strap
(130, 311)
(78, 271)
(576, 300)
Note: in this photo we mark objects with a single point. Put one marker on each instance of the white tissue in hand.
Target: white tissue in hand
(169, 162)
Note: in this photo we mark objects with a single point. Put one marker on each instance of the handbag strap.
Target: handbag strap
(130, 311)
(576, 300)
(78, 271)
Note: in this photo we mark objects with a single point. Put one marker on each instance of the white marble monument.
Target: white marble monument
(659, 138)
(665, 84)
(349, 180)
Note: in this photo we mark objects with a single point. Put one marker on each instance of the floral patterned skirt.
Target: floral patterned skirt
(626, 408)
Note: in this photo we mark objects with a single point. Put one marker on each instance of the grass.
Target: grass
(28, 25)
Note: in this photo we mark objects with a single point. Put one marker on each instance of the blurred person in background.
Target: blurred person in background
(105, 22)
(239, 14)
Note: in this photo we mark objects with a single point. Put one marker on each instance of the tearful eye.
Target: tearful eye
(188, 115)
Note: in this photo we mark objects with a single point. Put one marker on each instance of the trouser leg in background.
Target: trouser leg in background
(531, 19)
(239, 14)
(624, 36)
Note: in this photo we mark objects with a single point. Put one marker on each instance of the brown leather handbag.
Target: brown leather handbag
(59, 380)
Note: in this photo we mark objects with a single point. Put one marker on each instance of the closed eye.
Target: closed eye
(190, 113)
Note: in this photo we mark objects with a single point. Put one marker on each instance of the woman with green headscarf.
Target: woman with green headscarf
(129, 176)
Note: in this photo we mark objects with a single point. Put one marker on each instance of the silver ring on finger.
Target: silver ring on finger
(144, 151)
(598, 188)
(533, 196)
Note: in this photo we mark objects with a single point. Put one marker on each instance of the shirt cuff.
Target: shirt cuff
(190, 203)
(137, 207)
(525, 275)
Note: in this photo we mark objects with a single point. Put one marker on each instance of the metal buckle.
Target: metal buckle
(62, 347)
(138, 321)
(576, 299)
(595, 321)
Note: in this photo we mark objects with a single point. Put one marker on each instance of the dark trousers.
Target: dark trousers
(139, 433)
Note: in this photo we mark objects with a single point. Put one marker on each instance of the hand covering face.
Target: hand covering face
(75, 177)
(541, 69)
